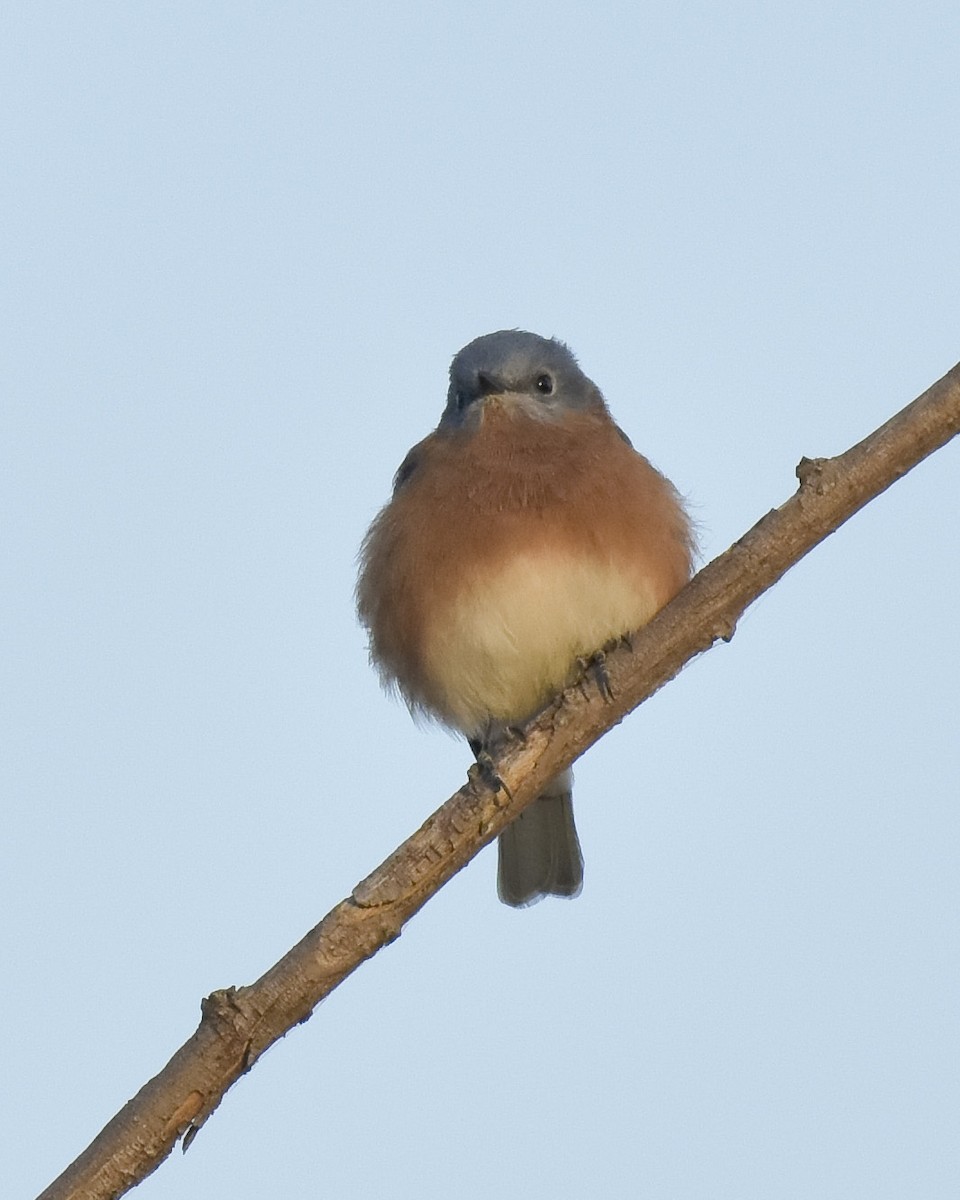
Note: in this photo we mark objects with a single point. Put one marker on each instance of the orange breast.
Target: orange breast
(508, 553)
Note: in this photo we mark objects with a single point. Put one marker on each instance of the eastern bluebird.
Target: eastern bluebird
(524, 534)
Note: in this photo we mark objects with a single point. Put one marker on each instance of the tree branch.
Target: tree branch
(239, 1024)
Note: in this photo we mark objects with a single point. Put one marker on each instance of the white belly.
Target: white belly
(512, 637)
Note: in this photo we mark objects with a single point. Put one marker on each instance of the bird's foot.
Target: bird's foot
(484, 771)
(595, 668)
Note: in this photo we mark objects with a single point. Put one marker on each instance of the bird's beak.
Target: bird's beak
(488, 385)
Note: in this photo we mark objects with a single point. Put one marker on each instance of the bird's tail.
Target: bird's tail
(539, 852)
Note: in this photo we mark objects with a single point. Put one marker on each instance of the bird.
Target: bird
(523, 535)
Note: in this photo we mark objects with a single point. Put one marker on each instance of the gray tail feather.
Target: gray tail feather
(539, 853)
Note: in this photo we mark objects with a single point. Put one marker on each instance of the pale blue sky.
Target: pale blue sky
(241, 243)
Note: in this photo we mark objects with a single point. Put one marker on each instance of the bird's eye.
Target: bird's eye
(544, 385)
(461, 399)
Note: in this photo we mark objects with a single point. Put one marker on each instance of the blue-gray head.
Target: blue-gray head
(539, 375)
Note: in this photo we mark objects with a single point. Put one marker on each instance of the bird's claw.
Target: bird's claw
(483, 774)
(595, 668)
